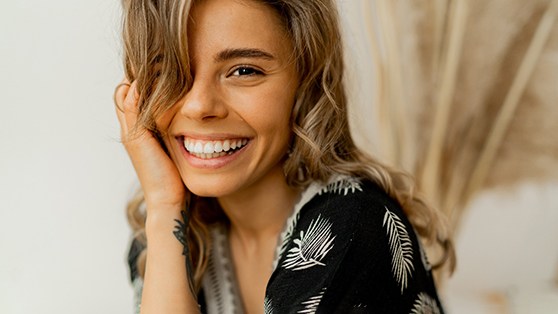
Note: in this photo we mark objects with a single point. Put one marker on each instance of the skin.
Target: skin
(244, 88)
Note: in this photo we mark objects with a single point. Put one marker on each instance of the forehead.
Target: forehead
(225, 24)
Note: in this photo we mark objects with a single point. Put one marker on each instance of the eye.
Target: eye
(245, 71)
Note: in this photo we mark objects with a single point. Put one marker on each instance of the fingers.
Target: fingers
(130, 106)
(120, 92)
(126, 105)
(158, 175)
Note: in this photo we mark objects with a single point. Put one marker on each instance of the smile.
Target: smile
(213, 149)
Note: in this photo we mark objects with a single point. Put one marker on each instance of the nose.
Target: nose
(202, 102)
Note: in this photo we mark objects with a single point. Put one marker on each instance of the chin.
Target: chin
(208, 187)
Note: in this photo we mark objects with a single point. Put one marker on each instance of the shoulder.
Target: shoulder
(352, 245)
(329, 220)
(349, 208)
(354, 203)
(362, 216)
(371, 220)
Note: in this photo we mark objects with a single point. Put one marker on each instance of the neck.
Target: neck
(258, 213)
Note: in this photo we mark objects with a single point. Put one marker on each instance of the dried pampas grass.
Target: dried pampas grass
(467, 93)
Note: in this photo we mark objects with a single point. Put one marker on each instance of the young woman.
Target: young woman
(254, 196)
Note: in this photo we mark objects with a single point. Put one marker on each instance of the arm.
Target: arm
(166, 284)
(166, 288)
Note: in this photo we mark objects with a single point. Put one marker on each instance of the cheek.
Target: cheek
(272, 116)
(172, 148)
(164, 122)
(164, 125)
(277, 105)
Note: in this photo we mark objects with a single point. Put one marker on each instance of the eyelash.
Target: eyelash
(251, 71)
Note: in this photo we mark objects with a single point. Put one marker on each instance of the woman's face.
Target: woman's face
(231, 131)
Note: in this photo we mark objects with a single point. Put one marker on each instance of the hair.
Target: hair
(156, 57)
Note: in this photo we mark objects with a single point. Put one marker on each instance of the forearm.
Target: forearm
(166, 287)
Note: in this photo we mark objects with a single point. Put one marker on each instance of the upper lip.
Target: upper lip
(211, 137)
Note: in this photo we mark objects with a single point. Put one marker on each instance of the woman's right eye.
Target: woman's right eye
(244, 71)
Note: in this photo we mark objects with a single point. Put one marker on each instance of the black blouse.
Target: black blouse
(347, 248)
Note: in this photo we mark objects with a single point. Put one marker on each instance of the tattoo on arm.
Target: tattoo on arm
(181, 233)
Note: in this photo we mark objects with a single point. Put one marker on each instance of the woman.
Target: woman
(255, 197)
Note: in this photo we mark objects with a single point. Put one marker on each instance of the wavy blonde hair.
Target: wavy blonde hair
(156, 57)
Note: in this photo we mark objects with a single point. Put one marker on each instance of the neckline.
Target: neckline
(220, 283)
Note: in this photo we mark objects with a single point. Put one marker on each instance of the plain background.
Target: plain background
(64, 177)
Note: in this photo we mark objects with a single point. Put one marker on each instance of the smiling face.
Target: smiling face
(231, 131)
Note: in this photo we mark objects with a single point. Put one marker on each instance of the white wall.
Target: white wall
(508, 252)
(64, 178)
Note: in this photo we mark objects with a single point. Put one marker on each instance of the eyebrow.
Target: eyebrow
(236, 53)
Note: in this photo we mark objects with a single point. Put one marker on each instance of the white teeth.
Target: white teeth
(218, 147)
(198, 148)
(208, 148)
(212, 149)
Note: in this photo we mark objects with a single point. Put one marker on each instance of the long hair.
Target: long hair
(156, 57)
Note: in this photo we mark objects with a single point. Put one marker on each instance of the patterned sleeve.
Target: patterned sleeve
(352, 251)
(137, 282)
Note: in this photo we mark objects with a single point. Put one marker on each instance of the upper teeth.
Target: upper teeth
(211, 147)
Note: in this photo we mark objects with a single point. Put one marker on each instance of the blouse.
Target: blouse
(347, 248)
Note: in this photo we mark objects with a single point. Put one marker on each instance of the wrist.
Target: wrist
(155, 206)
(162, 218)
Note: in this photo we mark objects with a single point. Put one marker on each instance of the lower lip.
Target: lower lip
(211, 163)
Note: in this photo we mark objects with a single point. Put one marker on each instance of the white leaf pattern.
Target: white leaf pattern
(342, 186)
(311, 246)
(311, 305)
(268, 308)
(290, 225)
(401, 248)
(288, 235)
(424, 304)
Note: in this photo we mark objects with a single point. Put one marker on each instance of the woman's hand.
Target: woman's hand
(166, 287)
(159, 177)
